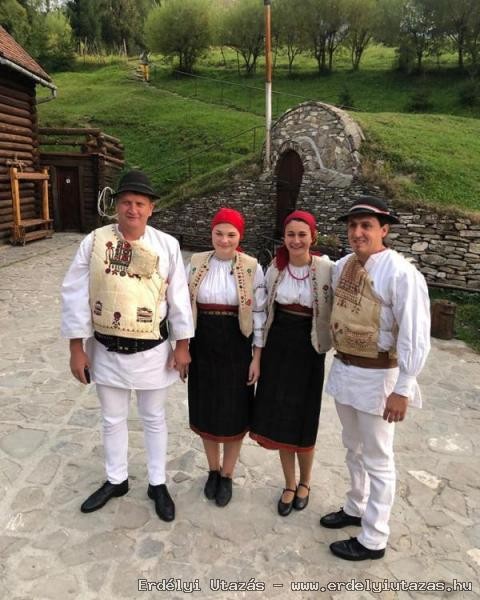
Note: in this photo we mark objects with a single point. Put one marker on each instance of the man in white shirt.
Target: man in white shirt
(125, 282)
(380, 327)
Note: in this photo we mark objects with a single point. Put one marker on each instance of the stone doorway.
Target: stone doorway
(289, 179)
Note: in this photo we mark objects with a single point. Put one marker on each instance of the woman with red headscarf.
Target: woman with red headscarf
(227, 293)
(287, 402)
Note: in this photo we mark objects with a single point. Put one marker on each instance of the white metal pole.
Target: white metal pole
(268, 82)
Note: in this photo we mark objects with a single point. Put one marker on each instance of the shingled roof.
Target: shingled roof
(13, 52)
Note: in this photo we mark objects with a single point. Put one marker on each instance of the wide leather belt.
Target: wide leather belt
(295, 309)
(382, 361)
(217, 309)
(124, 345)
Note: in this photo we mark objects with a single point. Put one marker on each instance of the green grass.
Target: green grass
(467, 316)
(158, 129)
(428, 157)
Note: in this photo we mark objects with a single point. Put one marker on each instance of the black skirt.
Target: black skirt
(219, 400)
(289, 392)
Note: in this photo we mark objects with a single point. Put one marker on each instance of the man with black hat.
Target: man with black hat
(124, 283)
(380, 328)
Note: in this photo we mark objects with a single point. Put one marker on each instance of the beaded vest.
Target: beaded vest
(243, 270)
(320, 280)
(125, 287)
(355, 322)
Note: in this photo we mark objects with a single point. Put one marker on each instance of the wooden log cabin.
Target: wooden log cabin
(19, 147)
(79, 162)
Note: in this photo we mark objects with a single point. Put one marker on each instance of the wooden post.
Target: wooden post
(15, 196)
(45, 209)
(443, 319)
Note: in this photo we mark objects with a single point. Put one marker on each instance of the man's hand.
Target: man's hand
(395, 408)
(181, 358)
(78, 360)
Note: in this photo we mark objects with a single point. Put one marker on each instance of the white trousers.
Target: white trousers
(151, 408)
(369, 443)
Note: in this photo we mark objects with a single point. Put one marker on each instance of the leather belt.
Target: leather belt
(295, 309)
(217, 309)
(382, 361)
(123, 345)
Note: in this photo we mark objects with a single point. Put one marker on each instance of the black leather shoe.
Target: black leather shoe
(285, 508)
(224, 491)
(103, 495)
(164, 506)
(299, 502)
(352, 549)
(339, 519)
(211, 485)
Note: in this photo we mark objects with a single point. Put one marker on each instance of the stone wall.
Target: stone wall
(446, 248)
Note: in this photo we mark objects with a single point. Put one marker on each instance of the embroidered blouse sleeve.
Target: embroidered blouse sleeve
(411, 309)
(76, 313)
(259, 306)
(180, 318)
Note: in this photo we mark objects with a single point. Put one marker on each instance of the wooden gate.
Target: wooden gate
(289, 180)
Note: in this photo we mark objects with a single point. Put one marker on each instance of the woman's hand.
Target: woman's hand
(254, 368)
(181, 358)
(78, 360)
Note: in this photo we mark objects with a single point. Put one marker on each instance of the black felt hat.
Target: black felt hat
(137, 182)
(369, 205)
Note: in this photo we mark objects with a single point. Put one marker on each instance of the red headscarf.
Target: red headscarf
(281, 255)
(231, 216)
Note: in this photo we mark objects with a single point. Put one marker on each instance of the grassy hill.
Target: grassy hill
(431, 156)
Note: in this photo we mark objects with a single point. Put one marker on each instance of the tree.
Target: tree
(242, 29)
(289, 16)
(58, 49)
(180, 28)
(362, 18)
(85, 19)
(419, 27)
(458, 20)
(13, 17)
(326, 27)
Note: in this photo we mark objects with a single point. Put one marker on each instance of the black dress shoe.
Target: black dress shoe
(299, 502)
(224, 491)
(211, 485)
(103, 495)
(164, 506)
(339, 519)
(285, 508)
(352, 549)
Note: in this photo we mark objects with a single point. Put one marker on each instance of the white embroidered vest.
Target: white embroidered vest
(125, 287)
(244, 268)
(320, 275)
(355, 322)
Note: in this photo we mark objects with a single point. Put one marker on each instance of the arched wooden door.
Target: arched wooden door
(289, 179)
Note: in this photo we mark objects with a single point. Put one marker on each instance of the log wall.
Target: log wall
(18, 142)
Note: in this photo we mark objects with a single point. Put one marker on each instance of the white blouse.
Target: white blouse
(219, 287)
(295, 287)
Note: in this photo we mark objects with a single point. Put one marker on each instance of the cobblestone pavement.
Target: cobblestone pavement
(51, 460)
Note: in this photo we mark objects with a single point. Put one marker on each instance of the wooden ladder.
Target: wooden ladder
(26, 230)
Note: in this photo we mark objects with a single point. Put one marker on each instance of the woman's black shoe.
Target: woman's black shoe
(224, 491)
(299, 502)
(211, 485)
(103, 495)
(285, 508)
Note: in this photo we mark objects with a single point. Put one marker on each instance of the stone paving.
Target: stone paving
(51, 460)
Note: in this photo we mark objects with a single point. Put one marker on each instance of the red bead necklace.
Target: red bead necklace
(294, 276)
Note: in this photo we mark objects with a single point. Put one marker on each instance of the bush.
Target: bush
(469, 94)
(345, 98)
(420, 101)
